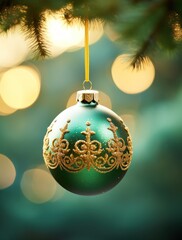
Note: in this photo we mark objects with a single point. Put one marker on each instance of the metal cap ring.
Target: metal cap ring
(89, 83)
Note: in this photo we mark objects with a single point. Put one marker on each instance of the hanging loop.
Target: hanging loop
(87, 85)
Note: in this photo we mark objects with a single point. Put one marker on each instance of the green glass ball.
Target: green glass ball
(87, 147)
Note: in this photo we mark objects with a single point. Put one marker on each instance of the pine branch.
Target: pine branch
(11, 17)
(5, 13)
(147, 27)
(34, 25)
(140, 57)
(100, 9)
(135, 20)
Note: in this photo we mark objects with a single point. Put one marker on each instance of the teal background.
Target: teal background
(146, 204)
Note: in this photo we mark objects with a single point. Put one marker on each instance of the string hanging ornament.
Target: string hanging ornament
(87, 147)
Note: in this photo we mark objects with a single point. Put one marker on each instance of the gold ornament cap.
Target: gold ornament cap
(87, 96)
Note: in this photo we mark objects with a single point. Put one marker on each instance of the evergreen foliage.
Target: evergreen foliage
(144, 26)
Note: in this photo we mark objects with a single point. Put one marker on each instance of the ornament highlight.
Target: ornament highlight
(87, 147)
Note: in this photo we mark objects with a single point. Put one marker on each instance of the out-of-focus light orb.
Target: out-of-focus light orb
(131, 80)
(111, 33)
(177, 31)
(38, 186)
(61, 35)
(130, 121)
(7, 172)
(104, 100)
(95, 33)
(59, 194)
(13, 48)
(177, 28)
(72, 100)
(5, 109)
(20, 86)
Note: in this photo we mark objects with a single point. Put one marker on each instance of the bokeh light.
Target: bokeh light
(95, 33)
(62, 36)
(5, 109)
(20, 86)
(104, 100)
(111, 33)
(38, 186)
(177, 31)
(131, 80)
(13, 48)
(71, 100)
(7, 172)
(130, 121)
(59, 194)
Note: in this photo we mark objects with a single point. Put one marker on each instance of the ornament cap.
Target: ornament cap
(87, 96)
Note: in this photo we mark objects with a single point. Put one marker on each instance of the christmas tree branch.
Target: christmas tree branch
(34, 25)
(141, 55)
(11, 17)
(147, 23)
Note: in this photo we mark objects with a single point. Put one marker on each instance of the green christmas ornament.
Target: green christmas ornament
(87, 147)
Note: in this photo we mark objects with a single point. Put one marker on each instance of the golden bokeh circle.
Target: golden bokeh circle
(38, 186)
(20, 86)
(7, 172)
(132, 80)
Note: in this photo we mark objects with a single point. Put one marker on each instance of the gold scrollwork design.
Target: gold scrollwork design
(87, 153)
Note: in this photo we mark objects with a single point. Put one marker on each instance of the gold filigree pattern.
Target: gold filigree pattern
(88, 153)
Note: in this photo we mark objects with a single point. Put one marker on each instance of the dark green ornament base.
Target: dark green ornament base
(88, 182)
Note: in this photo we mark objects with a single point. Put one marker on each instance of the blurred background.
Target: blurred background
(146, 204)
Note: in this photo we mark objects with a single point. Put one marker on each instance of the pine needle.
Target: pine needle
(138, 61)
(35, 30)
